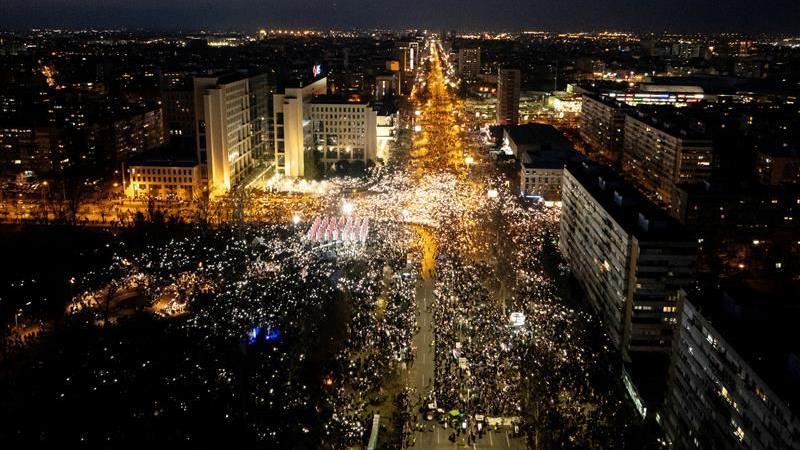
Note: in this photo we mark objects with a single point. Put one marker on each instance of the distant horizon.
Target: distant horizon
(248, 31)
(654, 16)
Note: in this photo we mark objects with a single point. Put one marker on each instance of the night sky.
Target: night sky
(557, 15)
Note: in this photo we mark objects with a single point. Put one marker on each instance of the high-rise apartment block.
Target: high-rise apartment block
(733, 374)
(407, 55)
(602, 122)
(628, 256)
(508, 85)
(127, 133)
(177, 102)
(292, 131)
(469, 63)
(385, 84)
(659, 153)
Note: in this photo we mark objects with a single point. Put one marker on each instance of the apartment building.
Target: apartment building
(602, 125)
(662, 149)
(628, 256)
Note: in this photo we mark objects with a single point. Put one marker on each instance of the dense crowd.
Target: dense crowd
(277, 340)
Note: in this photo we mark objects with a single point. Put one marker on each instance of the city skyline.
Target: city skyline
(373, 238)
(685, 16)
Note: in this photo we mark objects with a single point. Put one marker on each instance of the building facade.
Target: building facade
(177, 104)
(343, 130)
(181, 180)
(126, 134)
(340, 128)
(386, 84)
(232, 131)
(716, 400)
(469, 63)
(778, 167)
(658, 155)
(627, 255)
(542, 176)
(292, 130)
(32, 148)
(508, 86)
(602, 125)
(407, 54)
(542, 152)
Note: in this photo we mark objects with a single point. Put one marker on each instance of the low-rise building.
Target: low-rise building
(164, 173)
(542, 152)
(542, 174)
(534, 137)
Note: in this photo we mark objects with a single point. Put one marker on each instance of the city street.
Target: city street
(439, 131)
(436, 310)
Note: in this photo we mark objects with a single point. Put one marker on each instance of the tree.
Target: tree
(202, 209)
(73, 194)
(358, 168)
(240, 203)
(313, 165)
(342, 167)
(111, 291)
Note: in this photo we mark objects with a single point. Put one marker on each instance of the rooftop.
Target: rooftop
(227, 77)
(538, 134)
(678, 122)
(633, 212)
(547, 159)
(352, 99)
(177, 153)
(607, 100)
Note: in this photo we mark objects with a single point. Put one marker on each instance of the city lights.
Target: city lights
(417, 238)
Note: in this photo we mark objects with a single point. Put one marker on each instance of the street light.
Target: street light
(469, 160)
(296, 219)
(347, 208)
(492, 193)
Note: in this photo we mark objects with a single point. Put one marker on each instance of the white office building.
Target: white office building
(232, 134)
(340, 128)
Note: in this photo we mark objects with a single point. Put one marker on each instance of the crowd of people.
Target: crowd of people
(287, 342)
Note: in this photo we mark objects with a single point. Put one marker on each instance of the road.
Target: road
(433, 435)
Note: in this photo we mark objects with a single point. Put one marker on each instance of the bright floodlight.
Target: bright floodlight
(417, 128)
(469, 160)
(417, 112)
(492, 193)
(347, 208)
(296, 219)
